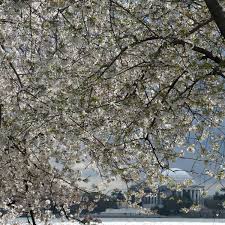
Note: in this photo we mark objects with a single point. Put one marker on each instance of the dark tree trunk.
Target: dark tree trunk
(218, 14)
(32, 217)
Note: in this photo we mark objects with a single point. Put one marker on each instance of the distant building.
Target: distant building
(151, 200)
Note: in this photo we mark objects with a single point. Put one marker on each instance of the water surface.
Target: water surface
(136, 221)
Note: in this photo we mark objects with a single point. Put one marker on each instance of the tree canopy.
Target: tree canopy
(116, 85)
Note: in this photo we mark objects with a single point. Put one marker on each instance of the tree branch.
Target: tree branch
(14, 69)
(32, 217)
(198, 49)
(199, 26)
(1, 106)
(68, 218)
(154, 151)
(218, 14)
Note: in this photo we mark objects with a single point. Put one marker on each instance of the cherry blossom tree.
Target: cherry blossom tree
(115, 85)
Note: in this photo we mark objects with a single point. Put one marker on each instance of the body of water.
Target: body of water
(136, 221)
